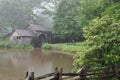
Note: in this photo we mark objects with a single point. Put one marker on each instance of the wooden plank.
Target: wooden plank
(70, 74)
(45, 76)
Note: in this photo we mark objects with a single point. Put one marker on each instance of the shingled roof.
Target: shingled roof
(39, 27)
(23, 32)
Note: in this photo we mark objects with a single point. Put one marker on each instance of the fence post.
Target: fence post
(26, 75)
(60, 74)
(83, 74)
(57, 74)
(31, 76)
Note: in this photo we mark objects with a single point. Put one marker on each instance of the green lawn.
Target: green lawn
(67, 47)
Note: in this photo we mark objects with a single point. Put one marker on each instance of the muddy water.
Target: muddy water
(14, 63)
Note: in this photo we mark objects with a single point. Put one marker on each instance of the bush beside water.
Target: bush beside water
(8, 44)
(5, 44)
(21, 46)
(46, 46)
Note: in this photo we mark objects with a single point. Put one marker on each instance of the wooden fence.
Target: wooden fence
(104, 73)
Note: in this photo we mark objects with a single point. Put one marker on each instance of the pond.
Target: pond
(15, 63)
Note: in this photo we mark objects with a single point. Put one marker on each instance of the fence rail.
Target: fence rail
(83, 74)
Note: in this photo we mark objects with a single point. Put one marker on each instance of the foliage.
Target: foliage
(90, 9)
(70, 47)
(102, 41)
(110, 2)
(28, 46)
(102, 38)
(21, 46)
(18, 46)
(8, 44)
(65, 21)
(72, 15)
(102, 44)
(67, 48)
(113, 11)
(5, 44)
(46, 46)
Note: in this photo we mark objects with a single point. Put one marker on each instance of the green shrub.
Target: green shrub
(18, 46)
(5, 44)
(102, 44)
(25, 46)
(8, 44)
(46, 46)
(28, 46)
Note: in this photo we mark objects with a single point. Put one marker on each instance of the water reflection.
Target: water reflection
(13, 64)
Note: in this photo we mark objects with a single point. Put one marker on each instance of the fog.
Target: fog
(19, 13)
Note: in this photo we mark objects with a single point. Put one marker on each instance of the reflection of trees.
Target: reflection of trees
(55, 59)
(20, 59)
(12, 65)
(41, 62)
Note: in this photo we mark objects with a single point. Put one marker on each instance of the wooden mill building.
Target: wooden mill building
(34, 34)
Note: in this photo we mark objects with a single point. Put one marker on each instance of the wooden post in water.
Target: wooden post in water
(27, 73)
(31, 76)
(56, 75)
(60, 74)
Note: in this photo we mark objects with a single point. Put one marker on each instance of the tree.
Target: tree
(90, 9)
(102, 40)
(113, 11)
(13, 15)
(65, 21)
(102, 43)
(72, 15)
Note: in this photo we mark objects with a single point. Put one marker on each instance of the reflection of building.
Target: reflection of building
(33, 34)
(20, 59)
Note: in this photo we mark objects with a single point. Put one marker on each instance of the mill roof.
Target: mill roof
(39, 27)
(23, 32)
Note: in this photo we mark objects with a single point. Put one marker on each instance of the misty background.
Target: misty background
(19, 13)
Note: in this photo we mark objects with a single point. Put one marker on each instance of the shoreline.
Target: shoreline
(65, 48)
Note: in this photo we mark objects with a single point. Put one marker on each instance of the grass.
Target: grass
(66, 47)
